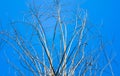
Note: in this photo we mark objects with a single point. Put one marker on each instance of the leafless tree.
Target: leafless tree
(50, 41)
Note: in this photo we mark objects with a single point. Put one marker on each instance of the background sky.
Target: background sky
(105, 12)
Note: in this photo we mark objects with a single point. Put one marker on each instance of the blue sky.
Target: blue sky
(105, 12)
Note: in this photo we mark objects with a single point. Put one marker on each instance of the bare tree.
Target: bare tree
(52, 43)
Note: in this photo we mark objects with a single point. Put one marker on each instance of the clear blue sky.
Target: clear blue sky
(106, 12)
